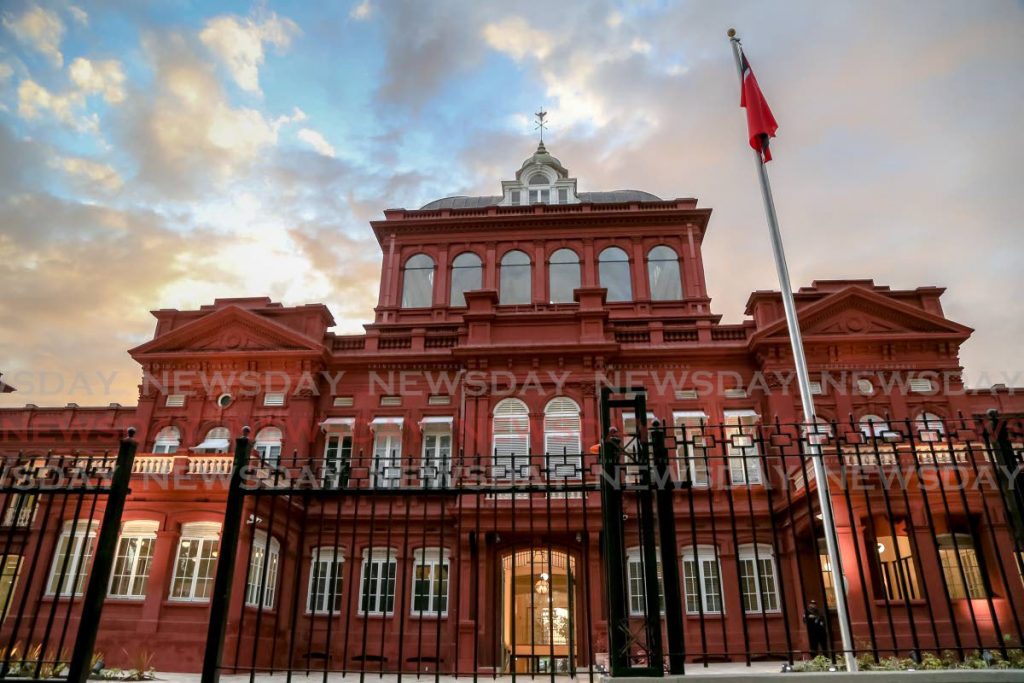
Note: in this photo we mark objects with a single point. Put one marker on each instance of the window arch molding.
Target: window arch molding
(467, 275)
(664, 273)
(418, 281)
(167, 439)
(615, 274)
(515, 277)
(510, 438)
(562, 427)
(872, 425)
(564, 275)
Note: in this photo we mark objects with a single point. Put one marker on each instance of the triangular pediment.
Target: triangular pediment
(856, 311)
(229, 330)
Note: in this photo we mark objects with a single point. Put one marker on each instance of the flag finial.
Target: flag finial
(731, 33)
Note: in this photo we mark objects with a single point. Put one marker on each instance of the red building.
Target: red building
(498, 320)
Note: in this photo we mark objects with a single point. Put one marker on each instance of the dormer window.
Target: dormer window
(514, 198)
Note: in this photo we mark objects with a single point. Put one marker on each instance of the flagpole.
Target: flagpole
(806, 399)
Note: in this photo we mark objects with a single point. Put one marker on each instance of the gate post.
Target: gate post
(1008, 464)
(614, 552)
(669, 553)
(103, 562)
(229, 535)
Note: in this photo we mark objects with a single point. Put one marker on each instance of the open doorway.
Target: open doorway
(538, 623)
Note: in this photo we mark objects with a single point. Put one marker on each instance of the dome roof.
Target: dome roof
(543, 158)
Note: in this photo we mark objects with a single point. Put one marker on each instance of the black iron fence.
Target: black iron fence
(59, 526)
(514, 564)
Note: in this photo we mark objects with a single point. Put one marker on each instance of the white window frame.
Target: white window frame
(872, 425)
(204, 564)
(374, 595)
(705, 559)
(326, 565)
(758, 564)
(387, 454)
(255, 582)
(433, 560)
(921, 385)
(563, 438)
(697, 464)
(337, 456)
(930, 427)
(165, 443)
(80, 537)
(636, 583)
(436, 453)
(219, 433)
(744, 460)
(510, 439)
(175, 401)
(273, 399)
(414, 291)
(267, 445)
(134, 537)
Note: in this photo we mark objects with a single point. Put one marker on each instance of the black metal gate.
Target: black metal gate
(59, 525)
(470, 565)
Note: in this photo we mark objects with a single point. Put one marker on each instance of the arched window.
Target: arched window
(563, 443)
(539, 193)
(418, 282)
(614, 274)
(217, 440)
(511, 439)
(563, 276)
(268, 445)
(467, 276)
(930, 427)
(167, 440)
(516, 274)
(663, 274)
(872, 425)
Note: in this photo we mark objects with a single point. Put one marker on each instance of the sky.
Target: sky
(163, 154)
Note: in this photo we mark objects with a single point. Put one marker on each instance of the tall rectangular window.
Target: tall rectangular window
(133, 559)
(71, 561)
(430, 582)
(757, 579)
(637, 586)
(741, 445)
(8, 583)
(690, 448)
(387, 456)
(702, 580)
(20, 509)
(325, 581)
(263, 564)
(960, 567)
(437, 454)
(337, 460)
(196, 562)
(377, 595)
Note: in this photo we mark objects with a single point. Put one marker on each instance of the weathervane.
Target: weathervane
(541, 123)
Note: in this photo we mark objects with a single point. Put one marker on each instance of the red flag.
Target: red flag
(760, 123)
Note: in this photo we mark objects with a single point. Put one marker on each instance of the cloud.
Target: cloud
(40, 29)
(362, 11)
(184, 134)
(516, 38)
(103, 77)
(80, 16)
(95, 175)
(315, 140)
(6, 71)
(238, 42)
(34, 100)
